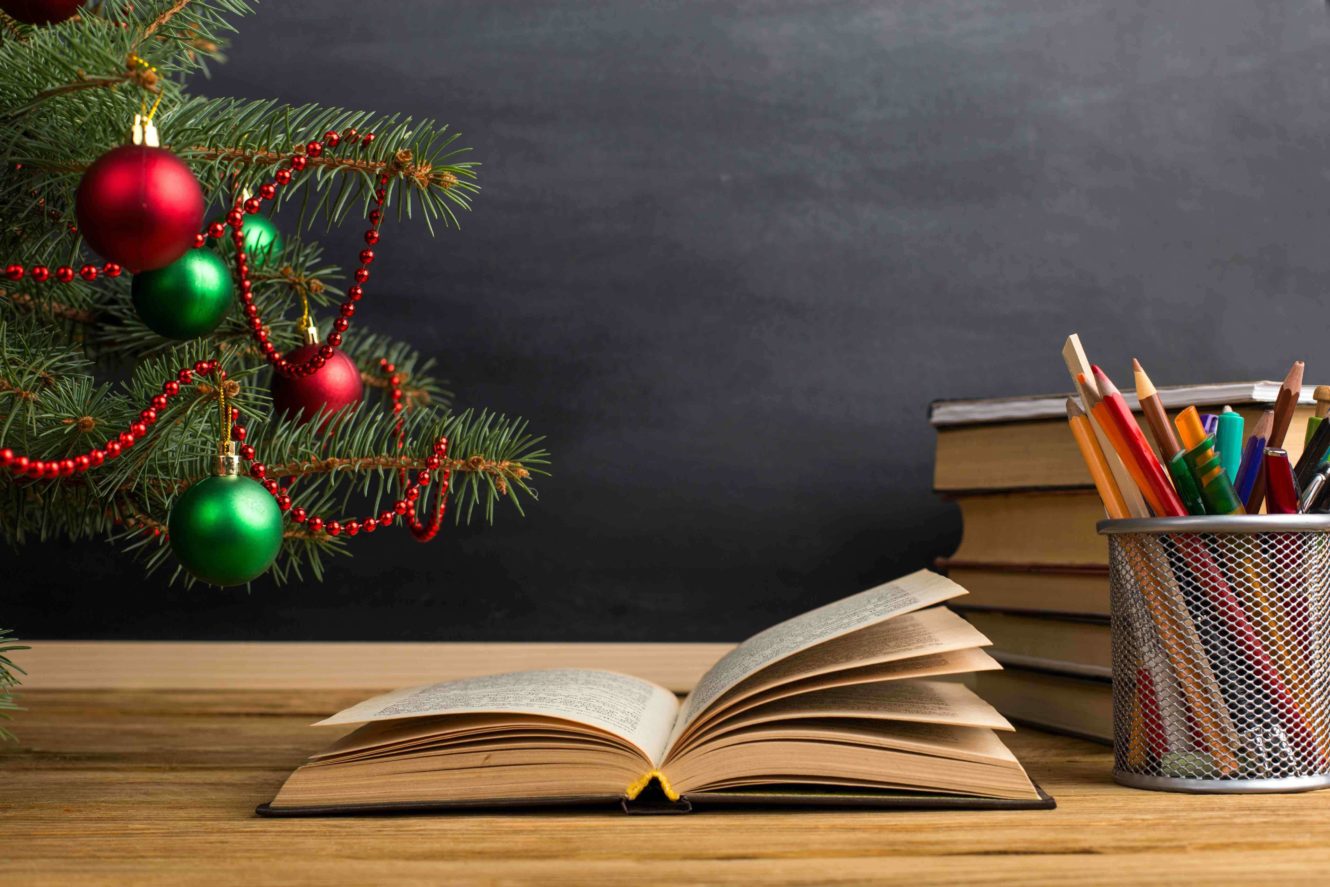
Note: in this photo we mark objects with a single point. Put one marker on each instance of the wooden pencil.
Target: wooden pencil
(1285, 405)
(1135, 451)
(1073, 355)
(1114, 506)
(1155, 415)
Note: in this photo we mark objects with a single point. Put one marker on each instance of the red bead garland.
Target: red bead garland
(423, 532)
(52, 469)
(235, 219)
(63, 273)
(404, 507)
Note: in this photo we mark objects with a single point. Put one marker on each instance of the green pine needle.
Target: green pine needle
(67, 92)
(9, 679)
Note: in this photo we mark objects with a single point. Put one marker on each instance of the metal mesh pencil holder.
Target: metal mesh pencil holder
(1221, 652)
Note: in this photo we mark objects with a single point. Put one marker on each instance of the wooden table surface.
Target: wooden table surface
(159, 786)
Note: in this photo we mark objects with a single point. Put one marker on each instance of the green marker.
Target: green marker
(1188, 492)
(1228, 440)
(1216, 489)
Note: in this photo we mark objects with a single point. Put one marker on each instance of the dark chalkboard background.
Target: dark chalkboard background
(727, 253)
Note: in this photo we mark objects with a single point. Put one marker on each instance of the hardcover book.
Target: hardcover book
(840, 706)
(1077, 647)
(1062, 704)
(1022, 443)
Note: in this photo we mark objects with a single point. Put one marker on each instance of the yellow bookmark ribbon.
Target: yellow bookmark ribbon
(636, 787)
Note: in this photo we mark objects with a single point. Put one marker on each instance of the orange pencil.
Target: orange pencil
(1112, 412)
(1114, 505)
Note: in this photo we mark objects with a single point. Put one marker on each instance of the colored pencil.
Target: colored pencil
(1073, 355)
(1170, 450)
(1285, 404)
(1114, 505)
(1135, 451)
(1155, 415)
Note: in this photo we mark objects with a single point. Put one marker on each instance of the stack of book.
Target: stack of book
(1036, 568)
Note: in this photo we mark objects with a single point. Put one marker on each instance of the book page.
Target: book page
(715, 719)
(941, 740)
(857, 611)
(936, 630)
(917, 701)
(637, 711)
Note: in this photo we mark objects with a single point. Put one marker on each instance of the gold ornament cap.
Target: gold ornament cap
(228, 460)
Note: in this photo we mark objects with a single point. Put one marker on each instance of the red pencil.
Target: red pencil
(1155, 485)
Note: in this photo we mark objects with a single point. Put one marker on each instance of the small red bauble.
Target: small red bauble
(334, 385)
(139, 206)
(40, 12)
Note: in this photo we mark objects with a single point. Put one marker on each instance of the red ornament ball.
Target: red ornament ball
(139, 206)
(40, 12)
(334, 385)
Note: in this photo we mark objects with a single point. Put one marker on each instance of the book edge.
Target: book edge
(689, 803)
(950, 412)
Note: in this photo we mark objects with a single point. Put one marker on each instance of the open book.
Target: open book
(838, 706)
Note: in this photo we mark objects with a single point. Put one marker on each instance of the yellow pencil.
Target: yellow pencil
(1114, 504)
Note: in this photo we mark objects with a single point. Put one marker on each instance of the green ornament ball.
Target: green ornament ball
(226, 530)
(262, 239)
(186, 299)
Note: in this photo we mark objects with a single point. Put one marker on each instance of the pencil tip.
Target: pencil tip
(1136, 366)
(1294, 377)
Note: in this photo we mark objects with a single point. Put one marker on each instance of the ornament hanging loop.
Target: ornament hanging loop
(144, 132)
(308, 329)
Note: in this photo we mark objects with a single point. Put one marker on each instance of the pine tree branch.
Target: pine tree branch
(160, 21)
(55, 309)
(83, 82)
(412, 395)
(9, 679)
(401, 165)
(13, 30)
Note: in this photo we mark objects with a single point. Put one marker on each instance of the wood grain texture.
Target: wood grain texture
(219, 665)
(159, 787)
